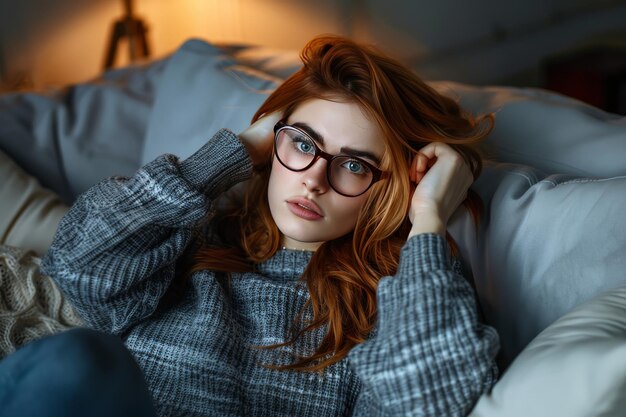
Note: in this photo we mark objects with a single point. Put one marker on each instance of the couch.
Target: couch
(547, 261)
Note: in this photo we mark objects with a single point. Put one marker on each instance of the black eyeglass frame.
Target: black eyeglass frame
(377, 174)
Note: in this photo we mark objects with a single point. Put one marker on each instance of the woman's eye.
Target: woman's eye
(356, 167)
(303, 146)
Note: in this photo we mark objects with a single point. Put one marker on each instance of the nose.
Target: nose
(314, 178)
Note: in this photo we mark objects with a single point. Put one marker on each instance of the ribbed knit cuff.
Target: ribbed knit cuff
(426, 252)
(213, 179)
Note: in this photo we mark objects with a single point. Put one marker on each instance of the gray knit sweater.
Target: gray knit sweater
(114, 256)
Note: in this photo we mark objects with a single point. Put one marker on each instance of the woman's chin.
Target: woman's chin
(299, 239)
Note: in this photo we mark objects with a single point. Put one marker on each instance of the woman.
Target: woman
(330, 288)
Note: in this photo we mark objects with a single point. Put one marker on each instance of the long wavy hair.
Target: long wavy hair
(343, 274)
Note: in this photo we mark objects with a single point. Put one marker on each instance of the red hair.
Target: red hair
(343, 274)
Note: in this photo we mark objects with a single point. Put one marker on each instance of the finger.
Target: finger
(276, 115)
(431, 150)
(420, 162)
(420, 166)
(436, 149)
(413, 169)
(424, 162)
(266, 122)
(427, 162)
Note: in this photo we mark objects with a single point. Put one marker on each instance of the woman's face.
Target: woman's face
(339, 125)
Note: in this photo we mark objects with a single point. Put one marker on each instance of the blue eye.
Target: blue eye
(356, 167)
(303, 145)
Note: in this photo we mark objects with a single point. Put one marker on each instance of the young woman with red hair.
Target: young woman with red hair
(329, 287)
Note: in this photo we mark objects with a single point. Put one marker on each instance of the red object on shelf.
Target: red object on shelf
(596, 76)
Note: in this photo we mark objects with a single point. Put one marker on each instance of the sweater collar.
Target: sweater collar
(285, 265)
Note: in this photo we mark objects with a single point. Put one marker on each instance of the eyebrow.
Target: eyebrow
(344, 150)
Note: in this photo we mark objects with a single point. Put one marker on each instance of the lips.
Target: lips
(307, 204)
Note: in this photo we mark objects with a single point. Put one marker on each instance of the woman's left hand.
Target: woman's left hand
(443, 178)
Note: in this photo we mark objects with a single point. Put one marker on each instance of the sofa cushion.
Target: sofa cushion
(203, 89)
(574, 368)
(279, 63)
(547, 243)
(74, 137)
(29, 213)
(546, 130)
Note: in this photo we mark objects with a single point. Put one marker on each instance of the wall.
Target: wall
(489, 41)
(482, 41)
(65, 40)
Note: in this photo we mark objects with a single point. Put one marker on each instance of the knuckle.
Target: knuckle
(457, 159)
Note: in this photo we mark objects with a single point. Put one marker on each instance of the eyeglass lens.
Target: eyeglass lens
(347, 175)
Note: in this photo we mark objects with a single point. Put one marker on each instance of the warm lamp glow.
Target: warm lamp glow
(69, 43)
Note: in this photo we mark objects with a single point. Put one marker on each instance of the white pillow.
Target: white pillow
(547, 243)
(574, 368)
(29, 212)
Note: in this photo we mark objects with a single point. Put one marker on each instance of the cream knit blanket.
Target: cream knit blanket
(31, 306)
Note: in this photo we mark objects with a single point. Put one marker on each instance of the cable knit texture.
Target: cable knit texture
(31, 305)
(115, 256)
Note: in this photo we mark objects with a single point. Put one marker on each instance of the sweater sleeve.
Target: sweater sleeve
(114, 252)
(429, 355)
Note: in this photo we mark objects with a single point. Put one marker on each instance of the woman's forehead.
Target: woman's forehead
(339, 123)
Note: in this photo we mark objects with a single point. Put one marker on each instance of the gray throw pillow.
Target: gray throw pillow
(203, 89)
(279, 63)
(547, 243)
(71, 138)
(546, 130)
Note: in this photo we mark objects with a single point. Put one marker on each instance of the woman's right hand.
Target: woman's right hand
(259, 137)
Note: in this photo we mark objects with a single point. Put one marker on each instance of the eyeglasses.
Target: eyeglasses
(348, 175)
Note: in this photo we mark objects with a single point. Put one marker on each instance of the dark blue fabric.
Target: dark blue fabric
(79, 372)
